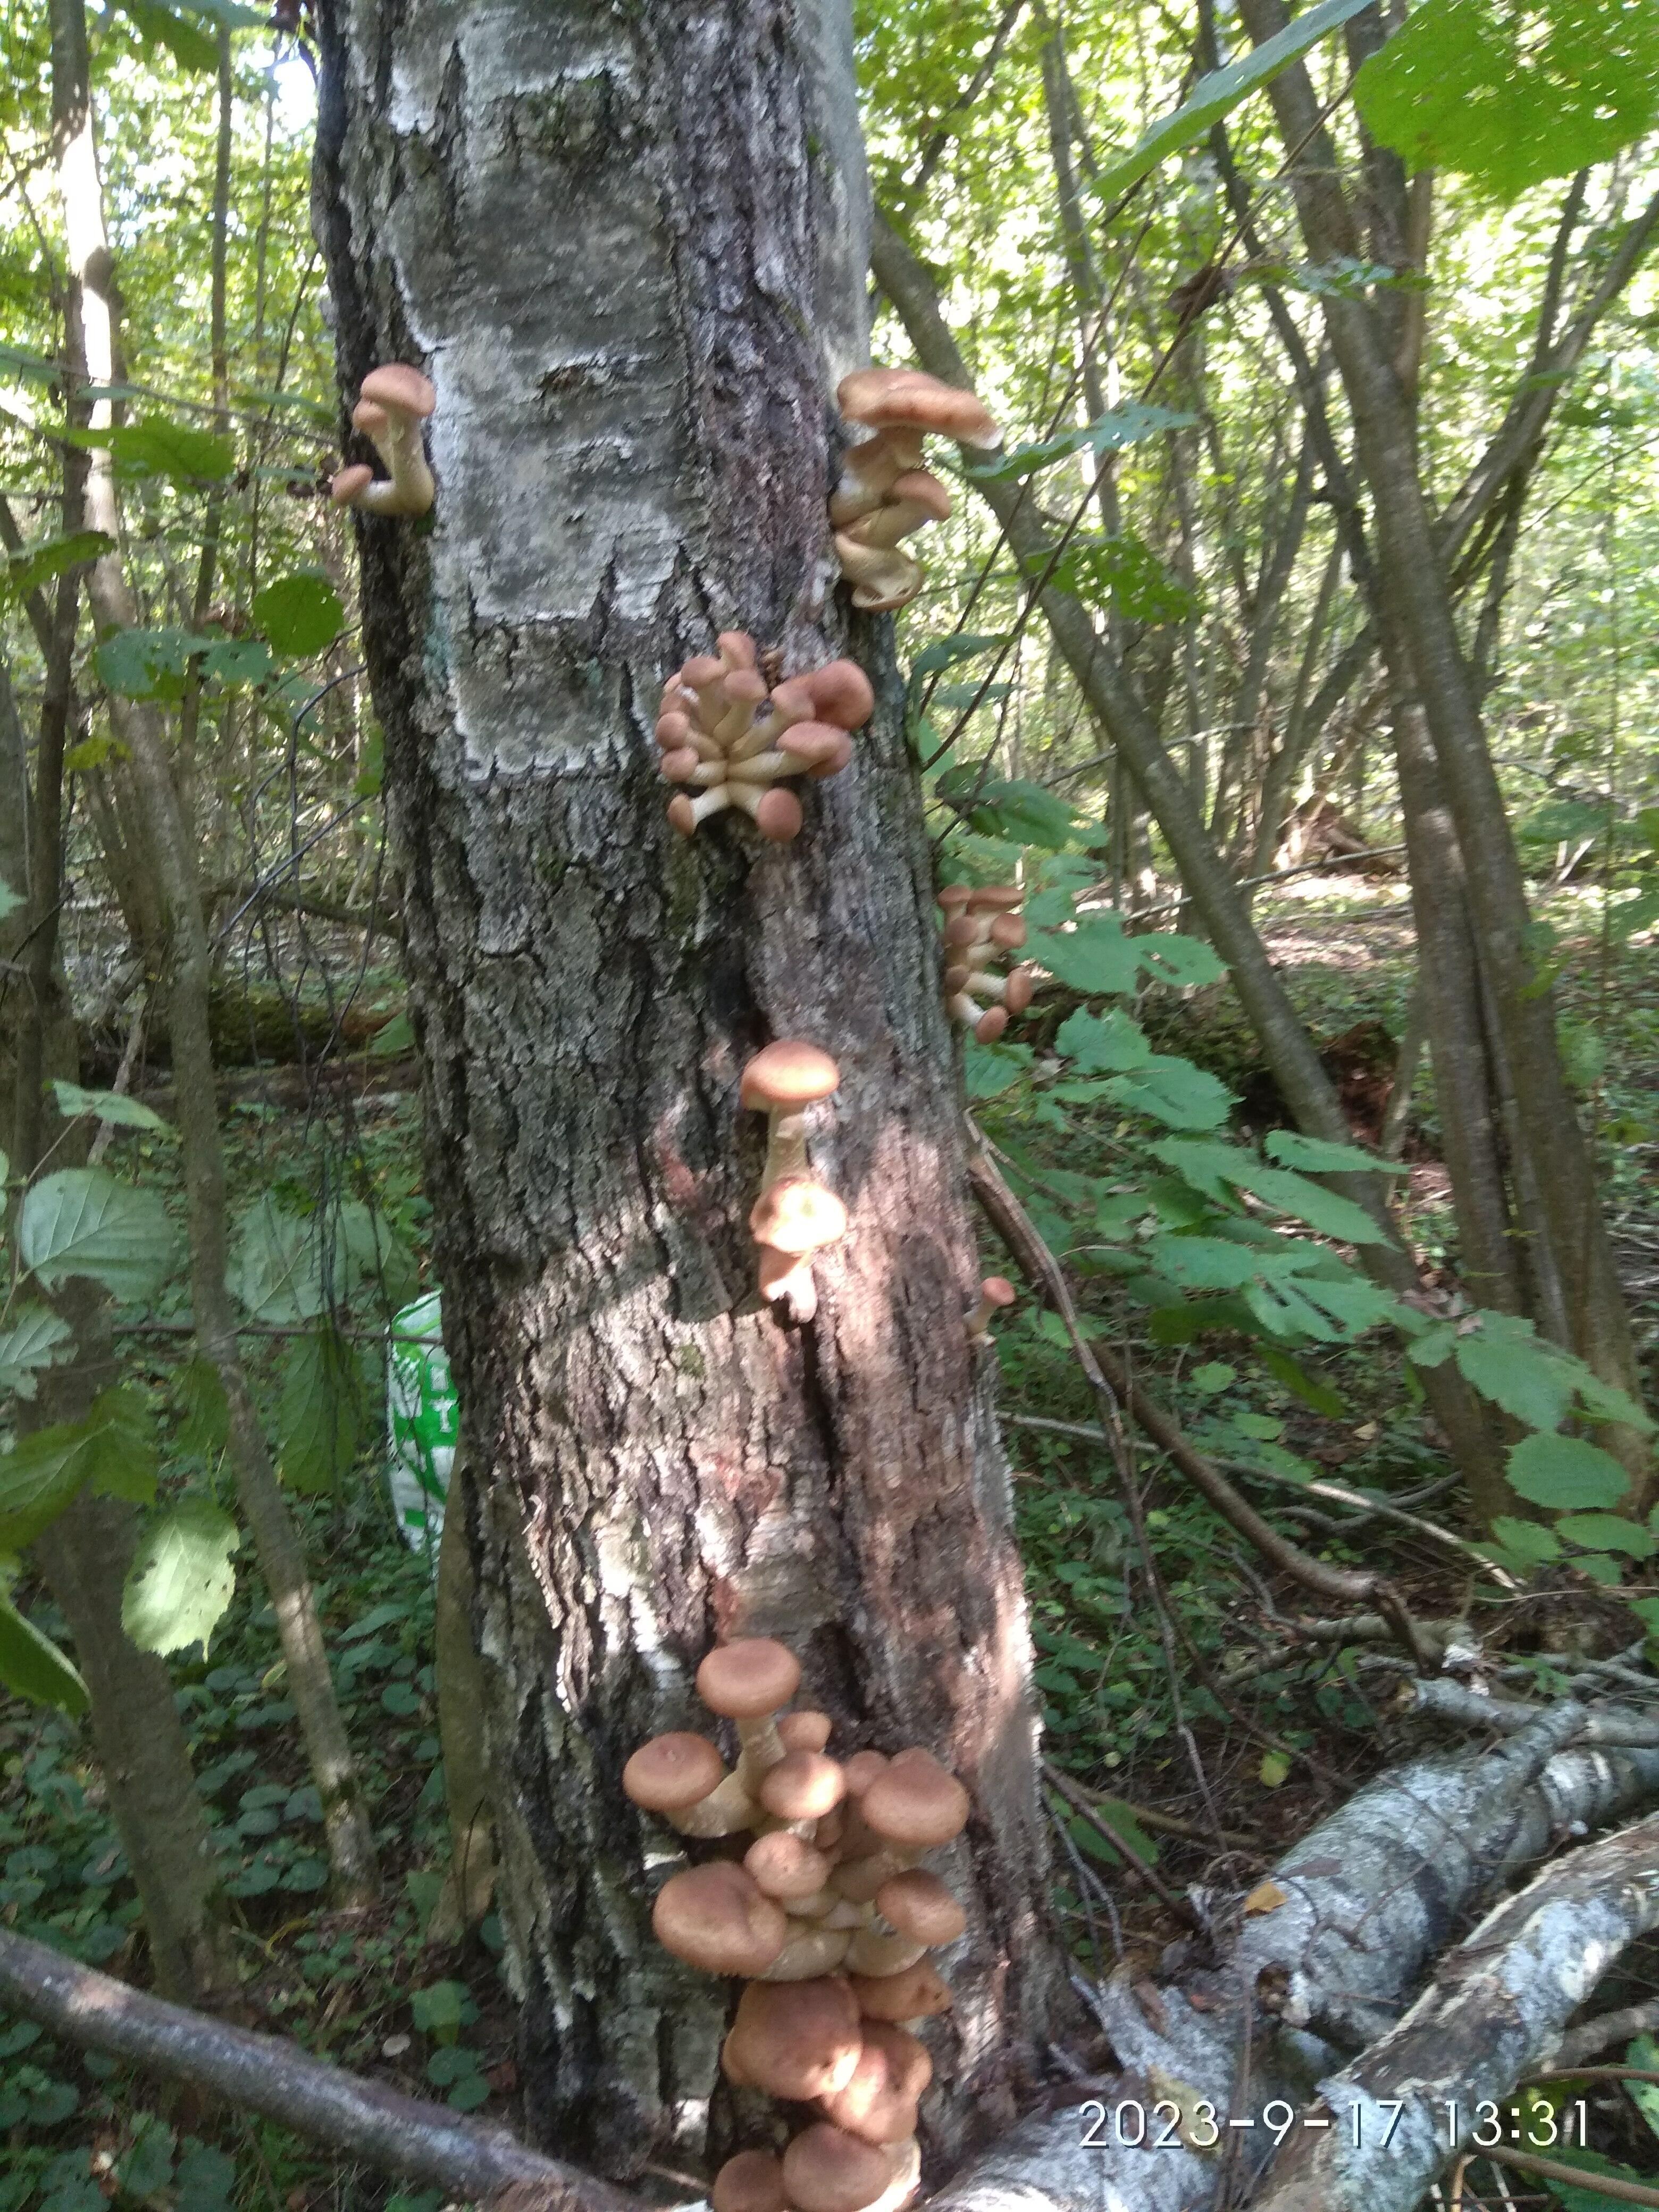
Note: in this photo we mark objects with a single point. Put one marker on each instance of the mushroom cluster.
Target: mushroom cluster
(981, 926)
(724, 733)
(827, 1917)
(795, 1215)
(394, 402)
(884, 493)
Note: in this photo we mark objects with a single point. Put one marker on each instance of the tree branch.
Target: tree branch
(264, 2074)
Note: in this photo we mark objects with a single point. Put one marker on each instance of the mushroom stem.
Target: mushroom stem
(815, 1950)
(786, 1144)
(726, 1811)
(785, 1278)
(762, 1748)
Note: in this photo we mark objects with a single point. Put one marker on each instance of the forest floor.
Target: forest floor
(1204, 1771)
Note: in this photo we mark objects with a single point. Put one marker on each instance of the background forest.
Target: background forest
(1155, 674)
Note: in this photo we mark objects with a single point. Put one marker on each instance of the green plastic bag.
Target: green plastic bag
(422, 1422)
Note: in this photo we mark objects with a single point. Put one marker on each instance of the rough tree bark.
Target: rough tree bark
(628, 247)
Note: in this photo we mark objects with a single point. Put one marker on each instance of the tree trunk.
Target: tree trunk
(628, 247)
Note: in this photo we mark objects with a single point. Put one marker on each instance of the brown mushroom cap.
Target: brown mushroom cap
(788, 1073)
(672, 1771)
(745, 1680)
(861, 1770)
(350, 482)
(916, 1992)
(717, 1917)
(991, 1024)
(398, 385)
(736, 648)
(999, 898)
(806, 1730)
(920, 488)
(839, 692)
(827, 2170)
(787, 1866)
(998, 1291)
(750, 2182)
(953, 896)
(887, 399)
(915, 1804)
(920, 1906)
(797, 1215)
(803, 1786)
(778, 815)
(794, 2039)
(1008, 932)
(879, 2104)
(1016, 992)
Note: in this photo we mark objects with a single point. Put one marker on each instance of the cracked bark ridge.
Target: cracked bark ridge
(623, 243)
(1371, 1897)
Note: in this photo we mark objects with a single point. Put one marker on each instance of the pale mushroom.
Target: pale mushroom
(740, 739)
(782, 1081)
(683, 1777)
(996, 1295)
(789, 1222)
(395, 400)
(915, 1806)
(715, 1918)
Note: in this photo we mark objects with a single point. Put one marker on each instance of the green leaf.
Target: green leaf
(1179, 961)
(321, 1417)
(1508, 95)
(1590, 2163)
(1176, 1092)
(300, 615)
(146, 2165)
(1130, 425)
(81, 1221)
(155, 445)
(206, 1424)
(49, 557)
(392, 1037)
(1112, 1045)
(1204, 1263)
(1297, 1381)
(1526, 1540)
(181, 1578)
(1608, 1532)
(34, 1338)
(120, 1448)
(38, 1477)
(158, 26)
(274, 1272)
(205, 2180)
(1095, 957)
(31, 1664)
(1274, 1767)
(1565, 1473)
(946, 652)
(1313, 1156)
(111, 1106)
(1020, 812)
(1218, 94)
(1508, 1362)
(147, 664)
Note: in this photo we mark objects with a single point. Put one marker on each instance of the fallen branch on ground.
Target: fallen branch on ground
(1444, 1700)
(267, 2075)
(1494, 2012)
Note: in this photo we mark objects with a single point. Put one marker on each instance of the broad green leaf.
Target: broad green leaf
(1527, 1539)
(1508, 1362)
(274, 1272)
(1130, 425)
(120, 1447)
(157, 26)
(1590, 2163)
(1565, 1472)
(155, 445)
(1108, 1045)
(301, 614)
(1175, 1092)
(1179, 961)
(988, 1069)
(1314, 1156)
(1122, 572)
(145, 2167)
(1097, 957)
(38, 1477)
(181, 1578)
(48, 557)
(81, 1221)
(147, 664)
(114, 1107)
(35, 1337)
(1324, 1210)
(1021, 812)
(320, 1416)
(1608, 1532)
(1218, 94)
(206, 1424)
(1508, 92)
(33, 1666)
(233, 660)
(1297, 1381)
(1204, 1263)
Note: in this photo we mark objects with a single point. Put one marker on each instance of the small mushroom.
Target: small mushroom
(913, 1807)
(791, 1221)
(812, 1951)
(750, 2182)
(802, 1787)
(683, 1777)
(805, 1730)
(715, 1918)
(996, 1294)
(747, 1682)
(878, 2103)
(787, 1866)
(918, 1904)
(827, 2170)
(395, 400)
(980, 926)
(917, 1993)
(782, 1081)
(797, 2040)
(884, 493)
